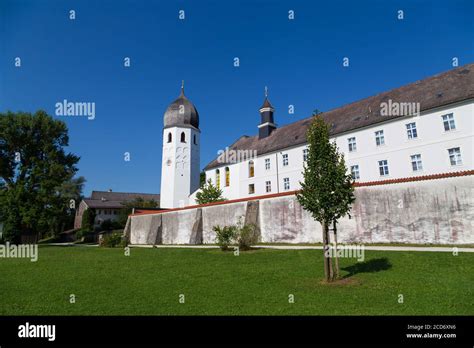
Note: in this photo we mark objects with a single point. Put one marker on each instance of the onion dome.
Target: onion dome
(181, 113)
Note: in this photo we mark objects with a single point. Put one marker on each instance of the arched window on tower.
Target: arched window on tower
(218, 178)
(170, 137)
(183, 137)
(194, 139)
(227, 176)
(251, 169)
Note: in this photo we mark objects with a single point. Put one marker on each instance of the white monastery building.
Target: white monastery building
(423, 128)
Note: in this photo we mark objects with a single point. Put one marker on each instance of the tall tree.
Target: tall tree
(209, 193)
(327, 190)
(34, 168)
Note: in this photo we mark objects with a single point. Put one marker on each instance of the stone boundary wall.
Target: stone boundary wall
(439, 211)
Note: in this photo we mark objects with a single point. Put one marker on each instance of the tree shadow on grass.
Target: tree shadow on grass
(371, 266)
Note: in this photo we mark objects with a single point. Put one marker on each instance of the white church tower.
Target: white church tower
(180, 163)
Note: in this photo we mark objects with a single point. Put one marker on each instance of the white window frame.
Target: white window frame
(267, 163)
(448, 120)
(268, 186)
(412, 132)
(285, 159)
(455, 157)
(352, 144)
(379, 138)
(355, 172)
(383, 166)
(286, 184)
(416, 162)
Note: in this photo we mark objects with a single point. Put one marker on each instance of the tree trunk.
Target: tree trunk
(336, 260)
(328, 275)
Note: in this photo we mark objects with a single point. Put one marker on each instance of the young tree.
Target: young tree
(327, 191)
(33, 169)
(209, 193)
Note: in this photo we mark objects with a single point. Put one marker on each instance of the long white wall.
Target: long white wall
(437, 211)
(432, 143)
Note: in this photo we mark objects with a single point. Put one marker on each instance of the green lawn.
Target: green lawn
(150, 281)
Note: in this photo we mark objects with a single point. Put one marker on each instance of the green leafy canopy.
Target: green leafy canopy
(327, 190)
(209, 193)
(36, 174)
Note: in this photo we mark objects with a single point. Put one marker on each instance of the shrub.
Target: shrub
(112, 240)
(85, 236)
(225, 236)
(106, 225)
(90, 237)
(116, 225)
(109, 225)
(247, 236)
(80, 234)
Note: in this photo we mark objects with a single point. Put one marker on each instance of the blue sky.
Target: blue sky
(299, 60)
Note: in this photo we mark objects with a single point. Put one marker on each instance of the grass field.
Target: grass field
(149, 282)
